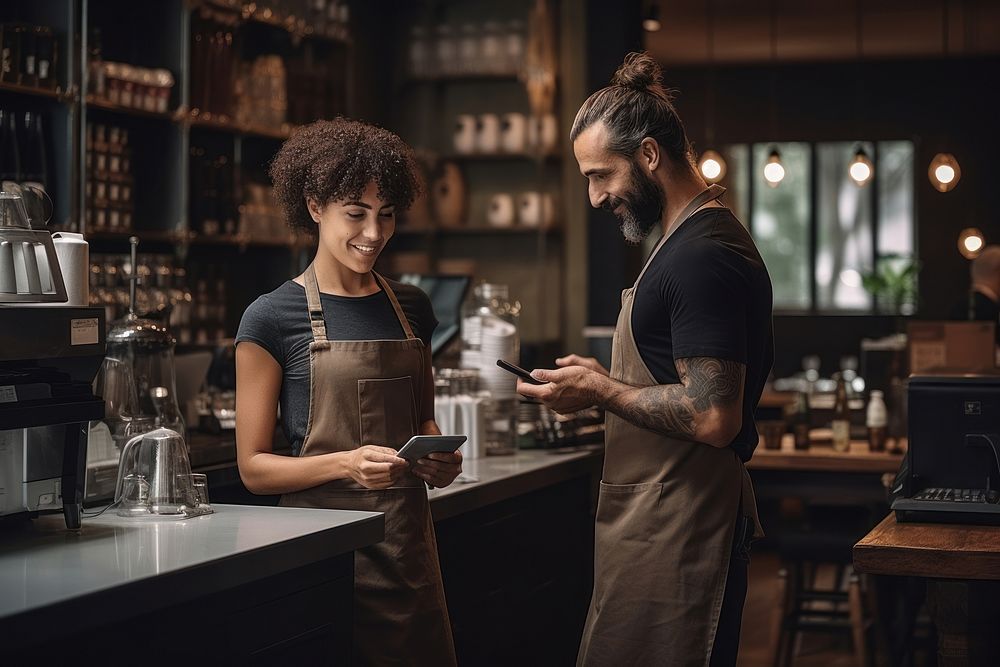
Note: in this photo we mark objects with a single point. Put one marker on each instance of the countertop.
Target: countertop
(936, 550)
(113, 563)
(501, 477)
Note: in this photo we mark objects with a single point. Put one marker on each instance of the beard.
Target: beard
(641, 208)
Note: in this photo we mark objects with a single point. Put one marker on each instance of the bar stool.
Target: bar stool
(823, 541)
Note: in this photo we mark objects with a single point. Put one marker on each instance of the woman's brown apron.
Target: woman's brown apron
(370, 393)
(666, 518)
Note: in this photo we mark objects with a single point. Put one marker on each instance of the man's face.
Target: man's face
(619, 184)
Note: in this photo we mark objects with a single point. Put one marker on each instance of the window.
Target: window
(820, 233)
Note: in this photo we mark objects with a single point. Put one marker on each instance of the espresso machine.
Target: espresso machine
(49, 356)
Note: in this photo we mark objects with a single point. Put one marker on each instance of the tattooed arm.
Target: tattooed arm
(706, 406)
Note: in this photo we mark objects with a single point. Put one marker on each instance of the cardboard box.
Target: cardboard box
(957, 346)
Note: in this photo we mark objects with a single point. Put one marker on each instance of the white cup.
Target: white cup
(513, 132)
(543, 133)
(488, 135)
(465, 134)
(536, 209)
(500, 211)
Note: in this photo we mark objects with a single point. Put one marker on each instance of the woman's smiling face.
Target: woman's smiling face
(354, 231)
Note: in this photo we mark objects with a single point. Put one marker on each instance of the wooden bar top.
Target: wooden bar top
(822, 457)
(935, 550)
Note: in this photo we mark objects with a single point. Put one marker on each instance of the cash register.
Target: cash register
(952, 468)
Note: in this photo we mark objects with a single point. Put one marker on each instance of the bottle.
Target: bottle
(841, 423)
(800, 419)
(34, 167)
(10, 154)
(876, 419)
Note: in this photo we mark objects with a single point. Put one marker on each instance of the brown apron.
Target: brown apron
(369, 393)
(665, 524)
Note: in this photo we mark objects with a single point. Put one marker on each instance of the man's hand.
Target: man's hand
(439, 469)
(566, 389)
(587, 362)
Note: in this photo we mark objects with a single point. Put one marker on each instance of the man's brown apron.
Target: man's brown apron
(666, 517)
(370, 393)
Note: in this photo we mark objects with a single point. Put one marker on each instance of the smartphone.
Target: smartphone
(518, 371)
(420, 446)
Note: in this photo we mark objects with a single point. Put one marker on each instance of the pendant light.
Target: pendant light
(711, 165)
(944, 172)
(861, 169)
(774, 172)
(971, 243)
(651, 21)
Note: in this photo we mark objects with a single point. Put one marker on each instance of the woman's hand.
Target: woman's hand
(439, 469)
(375, 467)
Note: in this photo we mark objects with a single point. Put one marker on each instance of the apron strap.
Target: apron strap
(315, 305)
(711, 193)
(405, 323)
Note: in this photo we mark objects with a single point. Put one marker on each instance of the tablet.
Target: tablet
(420, 446)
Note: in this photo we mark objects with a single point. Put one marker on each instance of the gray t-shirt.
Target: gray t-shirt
(279, 322)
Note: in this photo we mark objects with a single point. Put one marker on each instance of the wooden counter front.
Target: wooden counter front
(933, 550)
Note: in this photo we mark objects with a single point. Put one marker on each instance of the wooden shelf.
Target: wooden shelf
(57, 94)
(502, 157)
(97, 103)
(481, 77)
(248, 12)
(245, 241)
(192, 238)
(479, 230)
(225, 124)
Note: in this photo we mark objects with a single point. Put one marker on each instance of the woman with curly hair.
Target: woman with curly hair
(345, 353)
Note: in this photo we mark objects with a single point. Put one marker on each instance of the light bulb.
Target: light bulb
(970, 242)
(861, 169)
(774, 173)
(651, 23)
(944, 172)
(712, 166)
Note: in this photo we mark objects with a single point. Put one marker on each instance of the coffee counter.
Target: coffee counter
(229, 583)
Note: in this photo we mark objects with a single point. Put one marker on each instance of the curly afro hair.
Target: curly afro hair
(335, 160)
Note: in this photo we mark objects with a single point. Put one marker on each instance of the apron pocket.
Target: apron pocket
(387, 411)
(629, 512)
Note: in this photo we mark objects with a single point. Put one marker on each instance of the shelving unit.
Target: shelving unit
(528, 259)
(160, 35)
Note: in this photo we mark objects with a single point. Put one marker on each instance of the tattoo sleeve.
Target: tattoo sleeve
(707, 387)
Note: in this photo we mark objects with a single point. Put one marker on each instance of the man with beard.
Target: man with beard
(693, 347)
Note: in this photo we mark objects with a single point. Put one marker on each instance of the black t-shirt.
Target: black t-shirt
(707, 294)
(279, 322)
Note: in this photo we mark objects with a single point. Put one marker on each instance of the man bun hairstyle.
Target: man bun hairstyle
(335, 160)
(636, 105)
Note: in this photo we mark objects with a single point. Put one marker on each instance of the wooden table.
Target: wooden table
(821, 474)
(823, 458)
(962, 567)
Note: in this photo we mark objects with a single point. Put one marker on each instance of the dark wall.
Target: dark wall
(942, 105)
(613, 29)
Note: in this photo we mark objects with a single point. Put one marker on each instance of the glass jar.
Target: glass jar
(468, 49)
(420, 53)
(446, 49)
(492, 48)
(514, 51)
(489, 333)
